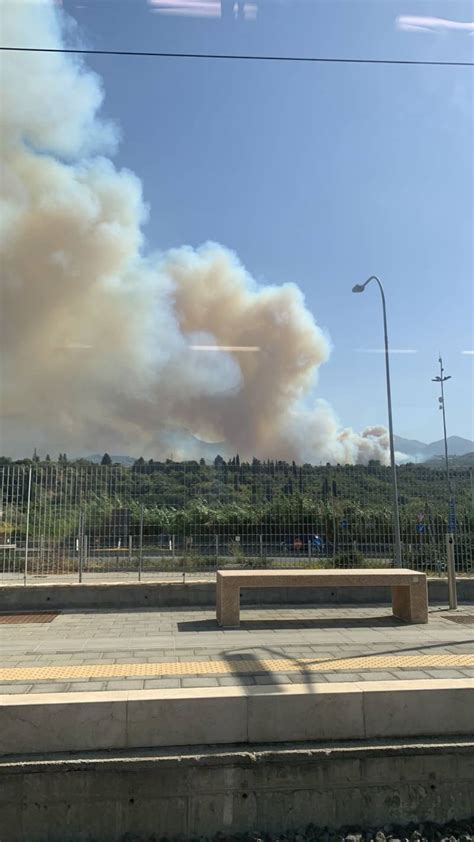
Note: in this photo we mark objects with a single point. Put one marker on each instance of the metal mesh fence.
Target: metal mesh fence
(161, 519)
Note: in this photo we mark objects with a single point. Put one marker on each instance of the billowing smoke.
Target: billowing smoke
(99, 339)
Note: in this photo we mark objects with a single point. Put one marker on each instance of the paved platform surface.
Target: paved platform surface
(170, 648)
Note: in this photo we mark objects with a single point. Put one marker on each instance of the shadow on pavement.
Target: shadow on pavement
(261, 675)
(297, 623)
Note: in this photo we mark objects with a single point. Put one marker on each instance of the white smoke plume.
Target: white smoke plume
(96, 334)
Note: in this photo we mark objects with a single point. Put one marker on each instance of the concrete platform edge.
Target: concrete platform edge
(120, 720)
(294, 752)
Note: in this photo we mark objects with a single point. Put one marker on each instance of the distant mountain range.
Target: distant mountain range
(422, 452)
(466, 461)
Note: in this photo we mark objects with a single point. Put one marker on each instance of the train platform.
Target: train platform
(109, 650)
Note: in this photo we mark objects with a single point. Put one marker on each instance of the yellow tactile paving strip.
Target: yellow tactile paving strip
(237, 667)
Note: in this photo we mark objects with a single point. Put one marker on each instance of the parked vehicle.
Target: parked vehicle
(300, 543)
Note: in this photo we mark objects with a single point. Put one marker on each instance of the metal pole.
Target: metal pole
(140, 547)
(27, 533)
(81, 544)
(41, 553)
(396, 513)
(452, 591)
(185, 555)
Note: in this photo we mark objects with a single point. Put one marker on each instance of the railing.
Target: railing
(164, 519)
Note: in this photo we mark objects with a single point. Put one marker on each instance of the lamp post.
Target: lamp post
(396, 515)
(453, 599)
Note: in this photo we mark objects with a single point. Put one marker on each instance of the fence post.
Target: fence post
(41, 552)
(309, 547)
(27, 532)
(140, 546)
(130, 544)
(261, 545)
(453, 597)
(81, 545)
(216, 537)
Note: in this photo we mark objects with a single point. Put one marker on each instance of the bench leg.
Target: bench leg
(228, 606)
(410, 602)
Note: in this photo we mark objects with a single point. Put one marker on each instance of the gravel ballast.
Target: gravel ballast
(454, 831)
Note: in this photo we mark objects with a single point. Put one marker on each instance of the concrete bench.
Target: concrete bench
(409, 588)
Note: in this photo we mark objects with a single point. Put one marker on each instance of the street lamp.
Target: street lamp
(396, 515)
(453, 599)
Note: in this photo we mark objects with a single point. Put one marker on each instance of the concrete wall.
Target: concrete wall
(175, 594)
(201, 793)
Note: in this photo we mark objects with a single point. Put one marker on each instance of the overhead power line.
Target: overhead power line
(234, 57)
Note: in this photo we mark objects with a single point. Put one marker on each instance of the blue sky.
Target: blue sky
(317, 174)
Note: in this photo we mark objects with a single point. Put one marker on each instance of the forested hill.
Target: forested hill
(178, 483)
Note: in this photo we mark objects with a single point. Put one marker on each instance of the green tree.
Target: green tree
(106, 460)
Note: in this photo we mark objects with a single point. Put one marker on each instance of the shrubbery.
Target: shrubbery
(349, 558)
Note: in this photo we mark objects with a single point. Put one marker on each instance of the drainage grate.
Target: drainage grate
(11, 619)
(462, 619)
